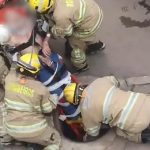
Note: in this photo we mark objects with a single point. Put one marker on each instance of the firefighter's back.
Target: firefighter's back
(22, 98)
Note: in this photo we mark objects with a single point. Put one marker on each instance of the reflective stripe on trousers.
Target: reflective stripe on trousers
(127, 109)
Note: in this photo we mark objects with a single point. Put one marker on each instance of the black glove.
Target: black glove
(146, 136)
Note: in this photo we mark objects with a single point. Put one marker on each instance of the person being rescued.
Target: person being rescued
(55, 76)
(103, 105)
(27, 101)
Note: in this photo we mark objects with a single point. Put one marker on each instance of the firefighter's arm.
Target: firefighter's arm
(63, 27)
(47, 105)
(92, 124)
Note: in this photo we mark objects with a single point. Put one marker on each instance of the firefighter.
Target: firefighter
(75, 20)
(27, 100)
(103, 103)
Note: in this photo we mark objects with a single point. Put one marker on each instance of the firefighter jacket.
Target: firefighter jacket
(26, 102)
(127, 112)
(80, 18)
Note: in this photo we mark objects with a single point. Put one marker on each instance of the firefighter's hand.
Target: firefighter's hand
(45, 48)
(46, 60)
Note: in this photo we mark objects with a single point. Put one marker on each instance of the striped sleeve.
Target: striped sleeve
(63, 26)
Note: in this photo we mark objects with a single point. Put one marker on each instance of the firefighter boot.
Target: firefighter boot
(146, 136)
(78, 59)
(95, 47)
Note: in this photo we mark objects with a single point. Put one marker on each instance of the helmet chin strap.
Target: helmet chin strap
(33, 44)
(28, 66)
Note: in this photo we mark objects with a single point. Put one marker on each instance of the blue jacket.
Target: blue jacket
(55, 78)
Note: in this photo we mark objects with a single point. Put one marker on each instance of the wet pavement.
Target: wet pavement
(126, 32)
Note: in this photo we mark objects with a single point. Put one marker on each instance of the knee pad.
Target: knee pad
(78, 58)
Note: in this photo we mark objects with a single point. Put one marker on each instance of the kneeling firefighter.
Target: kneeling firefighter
(103, 103)
(27, 100)
(75, 20)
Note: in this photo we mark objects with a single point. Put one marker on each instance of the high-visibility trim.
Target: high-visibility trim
(106, 105)
(38, 108)
(68, 31)
(52, 147)
(66, 80)
(17, 105)
(60, 31)
(27, 129)
(81, 13)
(92, 30)
(127, 109)
(47, 107)
(97, 24)
(93, 131)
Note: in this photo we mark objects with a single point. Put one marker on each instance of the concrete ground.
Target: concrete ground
(125, 30)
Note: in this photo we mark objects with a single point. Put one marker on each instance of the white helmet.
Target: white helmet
(4, 34)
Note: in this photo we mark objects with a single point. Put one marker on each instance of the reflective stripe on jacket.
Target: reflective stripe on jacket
(81, 19)
(27, 129)
(25, 104)
(105, 103)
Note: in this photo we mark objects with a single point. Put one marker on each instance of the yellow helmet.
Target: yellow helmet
(72, 93)
(40, 5)
(29, 62)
